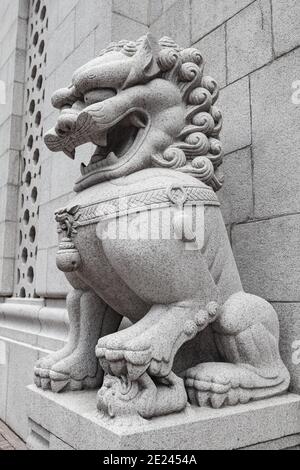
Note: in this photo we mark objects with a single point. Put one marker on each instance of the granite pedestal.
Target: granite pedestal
(71, 421)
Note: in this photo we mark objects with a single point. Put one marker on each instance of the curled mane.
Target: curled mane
(198, 150)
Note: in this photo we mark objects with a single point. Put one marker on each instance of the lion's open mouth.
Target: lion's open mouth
(116, 145)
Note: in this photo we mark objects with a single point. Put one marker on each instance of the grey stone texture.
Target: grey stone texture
(12, 66)
(284, 443)
(208, 14)
(20, 356)
(157, 7)
(263, 122)
(49, 280)
(41, 439)
(268, 257)
(276, 138)
(174, 22)
(286, 25)
(233, 428)
(236, 195)
(235, 105)
(213, 49)
(117, 276)
(86, 22)
(89, 33)
(64, 35)
(261, 42)
(249, 39)
(289, 318)
(126, 27)
(28, 330)
(134, 9)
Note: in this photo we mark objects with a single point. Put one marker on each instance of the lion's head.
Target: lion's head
(143, 104)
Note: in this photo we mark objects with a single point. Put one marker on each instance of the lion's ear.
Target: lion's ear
(145, 66)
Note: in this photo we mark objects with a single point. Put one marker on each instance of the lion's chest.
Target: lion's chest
(131, 274)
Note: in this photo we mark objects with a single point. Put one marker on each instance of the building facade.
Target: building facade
(252, 49)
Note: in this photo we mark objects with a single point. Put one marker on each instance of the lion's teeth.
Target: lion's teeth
(111, 158)
(83, 169)
(98, 164)
(136, 121)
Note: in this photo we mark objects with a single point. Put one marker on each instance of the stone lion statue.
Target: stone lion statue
(144, 239)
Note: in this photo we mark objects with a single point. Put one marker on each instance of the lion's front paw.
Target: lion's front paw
(152, 343)
(127, 360)
(146, 352)
(74, 372)
(44, 365)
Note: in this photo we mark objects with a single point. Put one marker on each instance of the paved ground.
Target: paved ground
(9, 440)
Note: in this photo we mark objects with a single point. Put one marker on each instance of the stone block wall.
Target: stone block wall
(13, 32)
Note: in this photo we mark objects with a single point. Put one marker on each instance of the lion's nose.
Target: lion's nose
(65, 124)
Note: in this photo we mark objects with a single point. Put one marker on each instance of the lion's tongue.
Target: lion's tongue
(97, 157)
(97, 163)
(100, 140)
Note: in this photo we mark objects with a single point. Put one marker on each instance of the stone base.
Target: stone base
(71, 421)
(29, 329)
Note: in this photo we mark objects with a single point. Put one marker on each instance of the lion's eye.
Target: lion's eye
(95, 96)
